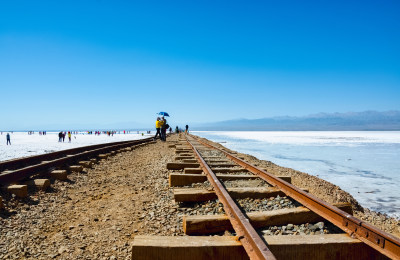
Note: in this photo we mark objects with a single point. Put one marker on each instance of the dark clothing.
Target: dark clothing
(8, 139)
(158, 133)
(164, 128)
(164, 134)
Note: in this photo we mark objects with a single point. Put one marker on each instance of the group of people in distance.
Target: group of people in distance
(161, 128)
(61, 136)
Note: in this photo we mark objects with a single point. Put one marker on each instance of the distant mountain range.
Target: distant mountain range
(352, 121)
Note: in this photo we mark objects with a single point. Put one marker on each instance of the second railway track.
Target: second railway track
(17, 174)
(256, 215)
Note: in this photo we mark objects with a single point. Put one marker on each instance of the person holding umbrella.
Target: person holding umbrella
(164, 126)
(158, 128)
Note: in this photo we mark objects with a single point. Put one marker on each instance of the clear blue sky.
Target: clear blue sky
(81, 63)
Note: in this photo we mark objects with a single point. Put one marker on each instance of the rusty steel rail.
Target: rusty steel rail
(40, 164)
(254, 245)
(356, 228)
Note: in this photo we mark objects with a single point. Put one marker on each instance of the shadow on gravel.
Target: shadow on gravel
(12, 203)
(51, 190)
(5, 214)
(70, 181)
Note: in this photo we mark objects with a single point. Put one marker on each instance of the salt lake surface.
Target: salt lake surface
(365, 164)
(23, 144)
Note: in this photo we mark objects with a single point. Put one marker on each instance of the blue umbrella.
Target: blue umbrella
(163, 114)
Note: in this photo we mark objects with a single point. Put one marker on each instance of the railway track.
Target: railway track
(257, 215)
(18, 174)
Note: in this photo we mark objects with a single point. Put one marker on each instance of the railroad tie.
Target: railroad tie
(198, 194)
(19, 190)
(103, 156)
(216, 161)
(182, 247)
(211, 224)
(226, 165)
(200, 170)
(186, 154)
(177, 179)
(178, 158)
(182, 146)
(211, 157)
(193, 171)
(329, 246)
(59, 175)
(183, 151)
(75, 168)
(86, 164)
(39, 184)
(181, 166)
(227, 170)
(189, 160)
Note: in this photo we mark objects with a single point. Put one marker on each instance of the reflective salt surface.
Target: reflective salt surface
(365, 164)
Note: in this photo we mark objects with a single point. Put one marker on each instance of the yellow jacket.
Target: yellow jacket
(158, 124)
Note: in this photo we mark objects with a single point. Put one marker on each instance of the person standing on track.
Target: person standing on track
(8, 139)
(164, 127)
(158, 128)
(187, 129)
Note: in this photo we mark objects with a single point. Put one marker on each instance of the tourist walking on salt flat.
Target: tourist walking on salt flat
(59, 137)
(158, 128)
(69, 136)
(8, 139)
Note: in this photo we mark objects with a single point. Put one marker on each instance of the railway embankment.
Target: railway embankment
(96, 213)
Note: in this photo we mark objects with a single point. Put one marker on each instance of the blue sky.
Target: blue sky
(103, 63)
